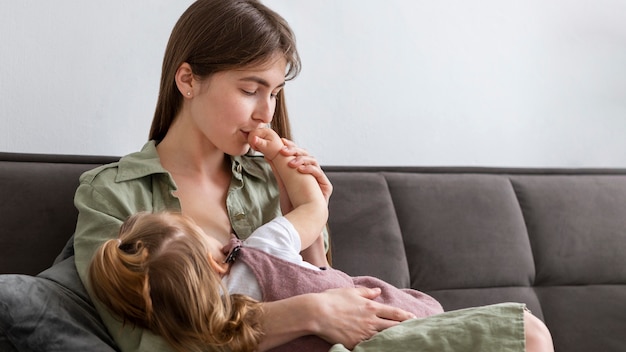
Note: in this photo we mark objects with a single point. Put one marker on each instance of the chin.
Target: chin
(241, 150)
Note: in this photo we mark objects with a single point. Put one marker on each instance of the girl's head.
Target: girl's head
(158, 275)
(220, 35)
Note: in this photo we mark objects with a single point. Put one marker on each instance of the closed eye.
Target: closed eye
(262, 82)
(253, 93)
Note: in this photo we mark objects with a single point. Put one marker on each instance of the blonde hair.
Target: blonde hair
(157, 276)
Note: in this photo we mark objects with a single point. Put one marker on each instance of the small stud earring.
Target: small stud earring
(188, 94)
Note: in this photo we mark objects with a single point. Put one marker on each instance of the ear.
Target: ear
(220, 268)
(185, 80)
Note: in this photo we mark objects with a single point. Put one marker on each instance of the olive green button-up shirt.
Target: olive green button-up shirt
(109, 194)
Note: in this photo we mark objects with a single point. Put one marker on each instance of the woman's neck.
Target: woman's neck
(185, 151)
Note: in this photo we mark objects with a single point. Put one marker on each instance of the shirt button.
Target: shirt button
(240, 216)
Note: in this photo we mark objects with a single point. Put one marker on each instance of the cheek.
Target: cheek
(238, 110)
(223, 111)
(211, 112)
(204, 115)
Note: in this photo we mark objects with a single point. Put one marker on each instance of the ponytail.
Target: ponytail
(124, 291)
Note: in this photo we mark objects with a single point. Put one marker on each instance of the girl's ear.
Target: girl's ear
(185, 80)
(219, 267)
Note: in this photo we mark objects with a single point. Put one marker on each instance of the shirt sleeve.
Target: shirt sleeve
(103, 206)
(280, 239)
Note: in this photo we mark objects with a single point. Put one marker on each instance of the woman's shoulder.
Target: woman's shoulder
(133, 166)
(134, 183)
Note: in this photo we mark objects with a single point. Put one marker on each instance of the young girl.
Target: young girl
(164, 274)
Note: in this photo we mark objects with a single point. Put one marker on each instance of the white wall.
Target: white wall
(394, 82)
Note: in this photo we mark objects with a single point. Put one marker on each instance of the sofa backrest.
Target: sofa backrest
(480, 227)
(37, 214)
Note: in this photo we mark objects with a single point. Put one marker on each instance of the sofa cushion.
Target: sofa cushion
(465, 228)
(50, 312)
(365, 210)
(576, 227)
(585, 317)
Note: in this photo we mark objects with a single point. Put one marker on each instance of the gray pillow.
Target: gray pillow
(50, 312)
(6, 345)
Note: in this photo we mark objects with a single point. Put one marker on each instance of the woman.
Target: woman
(223, 75)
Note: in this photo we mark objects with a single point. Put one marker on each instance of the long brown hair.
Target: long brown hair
(220, 35)
(157, 276)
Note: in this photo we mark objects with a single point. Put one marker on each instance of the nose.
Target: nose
(264, 111)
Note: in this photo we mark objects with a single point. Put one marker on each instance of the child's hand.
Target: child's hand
(266, 141)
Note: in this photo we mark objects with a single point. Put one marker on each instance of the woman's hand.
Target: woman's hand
(349, 315)
(344, 315)
(306, 164)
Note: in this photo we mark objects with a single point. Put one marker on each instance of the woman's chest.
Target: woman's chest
(207, 207)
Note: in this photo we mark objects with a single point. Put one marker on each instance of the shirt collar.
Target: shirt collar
(250, 164)
(140, 164)
(146, 162)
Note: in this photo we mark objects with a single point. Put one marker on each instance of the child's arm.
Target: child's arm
(310, 211)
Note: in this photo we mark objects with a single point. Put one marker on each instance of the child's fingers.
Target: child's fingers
(265, 141)
(264, 133)
(257, 143)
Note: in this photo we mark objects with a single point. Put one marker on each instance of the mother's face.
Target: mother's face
(226, 106)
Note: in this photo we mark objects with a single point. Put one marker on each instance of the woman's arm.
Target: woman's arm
(103, 204)
(316, 253)
(346, 315)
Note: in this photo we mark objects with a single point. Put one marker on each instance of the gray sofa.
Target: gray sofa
(552, 238)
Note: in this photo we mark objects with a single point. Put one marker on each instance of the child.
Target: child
(166, 275)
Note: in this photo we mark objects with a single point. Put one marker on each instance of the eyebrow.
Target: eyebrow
(260, 81)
